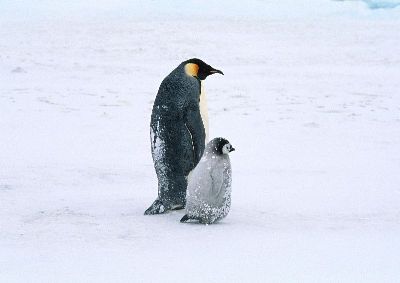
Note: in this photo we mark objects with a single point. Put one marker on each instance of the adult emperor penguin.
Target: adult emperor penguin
(178, 132)
(208, 196)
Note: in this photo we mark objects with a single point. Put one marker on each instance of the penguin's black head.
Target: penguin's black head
(222, 146)
(197, 68)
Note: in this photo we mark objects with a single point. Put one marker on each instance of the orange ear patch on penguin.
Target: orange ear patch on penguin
(192, 69)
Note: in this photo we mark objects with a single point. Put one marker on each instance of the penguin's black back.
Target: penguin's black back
(177, 98)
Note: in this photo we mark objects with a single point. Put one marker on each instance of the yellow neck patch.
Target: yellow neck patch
(192, 69)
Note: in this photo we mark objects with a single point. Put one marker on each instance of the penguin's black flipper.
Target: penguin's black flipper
(195, 126)
(156, 208)
(185, 218)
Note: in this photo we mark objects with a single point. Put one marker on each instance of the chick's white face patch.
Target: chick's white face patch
(226, 148)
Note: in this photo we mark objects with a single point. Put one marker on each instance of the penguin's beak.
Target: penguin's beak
(232, 149)
(214, 71)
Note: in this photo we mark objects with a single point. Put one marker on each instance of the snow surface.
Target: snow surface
(310, 100)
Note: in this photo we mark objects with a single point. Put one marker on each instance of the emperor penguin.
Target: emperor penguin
(178, 132)
(208, 196)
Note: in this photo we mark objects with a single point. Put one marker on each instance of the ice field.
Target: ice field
(310, 99)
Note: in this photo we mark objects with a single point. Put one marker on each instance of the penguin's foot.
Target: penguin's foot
(177, 207)
(156, 208)
(185, 218)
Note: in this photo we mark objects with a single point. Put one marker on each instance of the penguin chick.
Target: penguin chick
(208, 197)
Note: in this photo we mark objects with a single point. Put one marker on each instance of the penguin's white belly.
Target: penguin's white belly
(204, 110)
(204, 116)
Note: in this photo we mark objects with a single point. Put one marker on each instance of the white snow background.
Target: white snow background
(310, 100)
